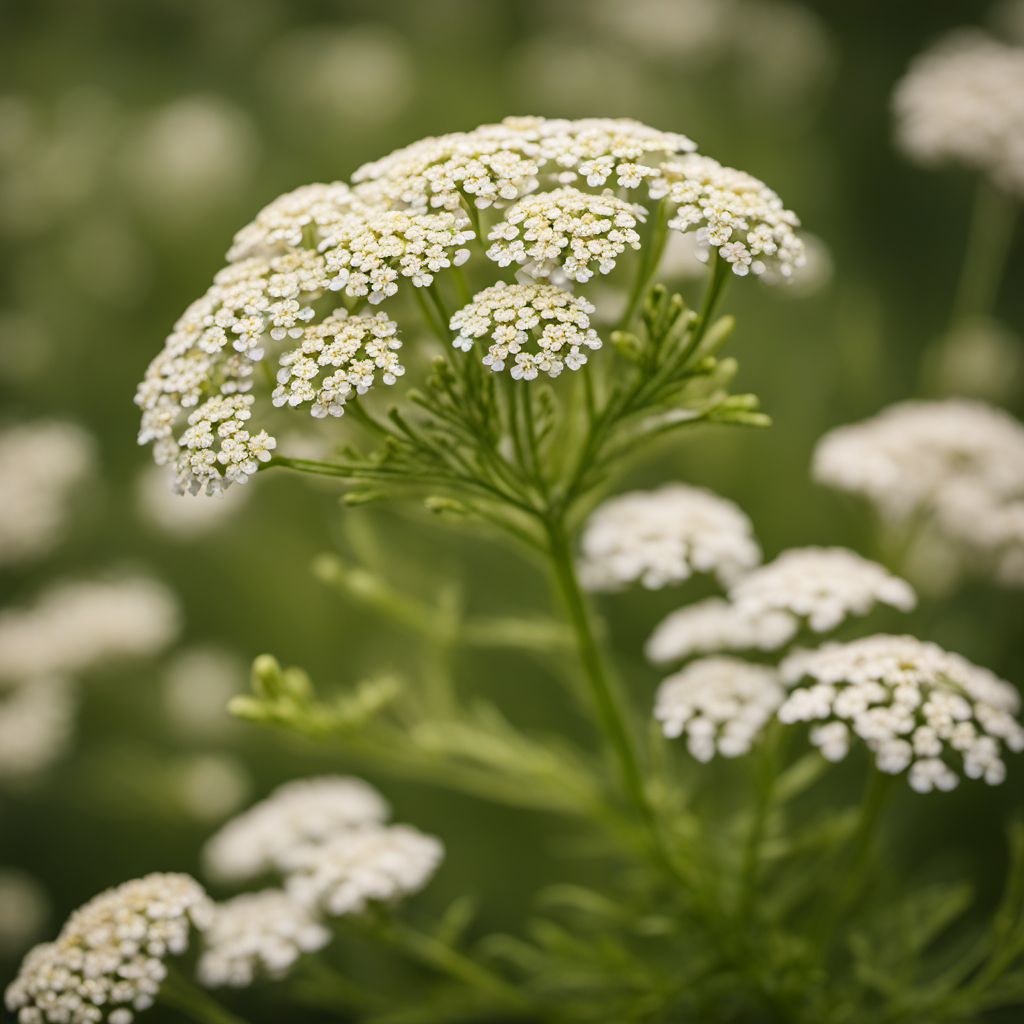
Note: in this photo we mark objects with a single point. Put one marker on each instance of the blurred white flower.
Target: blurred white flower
(962, 102)
(197, 685)
(183, 517)
(361, 75)
(364, 865)
(76, 626)
(24, 908)
(42, 466)
(296, 814)
(715, 624)
(820, 586)
(108, 961)
(259, 933)
(36, 724)
(978, 358)
(955, 467)
(659, 538)
(186, 158)
(719, 704)
(209, 786)
(913, 704)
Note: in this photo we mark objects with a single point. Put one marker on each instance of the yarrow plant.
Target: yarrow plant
(467, 277)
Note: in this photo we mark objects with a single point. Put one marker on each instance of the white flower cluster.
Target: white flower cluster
(108, 961)
(41, 466)
(715, 625)
(731, 212)
(957, 466)
(720, 704)
(816, 587)
(963, 102)
(36, 723)
(356, 349)
(567, 230)
(297, 813)
(661, 537)
(499, 163)
(77, 626)
(217, 448)
(257, 933)
(352, 869)
(821, 586)
(913, 704)
(510, 316)
(329, 840)
(407, 218)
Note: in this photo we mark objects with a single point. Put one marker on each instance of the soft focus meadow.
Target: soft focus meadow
(136, 139)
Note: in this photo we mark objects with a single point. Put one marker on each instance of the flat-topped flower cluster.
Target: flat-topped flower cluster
(917, 708)
(953, 468)
(564, 201)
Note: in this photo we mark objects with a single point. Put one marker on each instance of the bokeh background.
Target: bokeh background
(135, 138)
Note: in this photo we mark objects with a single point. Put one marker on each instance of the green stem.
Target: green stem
(445, 958)
(607, 702)
(713, 292)
(988, 243)
(861, 850)
(767, 771)
(179, 993)
(648, 267)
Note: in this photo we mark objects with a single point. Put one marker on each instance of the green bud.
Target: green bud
(627, 345)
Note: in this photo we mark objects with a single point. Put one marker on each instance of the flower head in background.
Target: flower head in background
(820, 586)
(299, 813)
(916, 707)
(962, 102)
(719, 704)
(257, 934)
(712, 625)
(361, 866)
(956, 467)
(662, 537)
(510, 317)
(76, 626)
(42, 465)
(179, 517)
(108, 961)
(814, 587)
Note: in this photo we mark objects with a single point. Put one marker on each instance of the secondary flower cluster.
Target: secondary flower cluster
(814, 587)
(731, 212)
(329, 840)
(108, 961)
(913, 704)
(956, 468)
(299, 276)
(720, 704)
(72, 628)
(510, 316)
(259, 932)
(662, 537)
(963, 102)
(568, 230)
